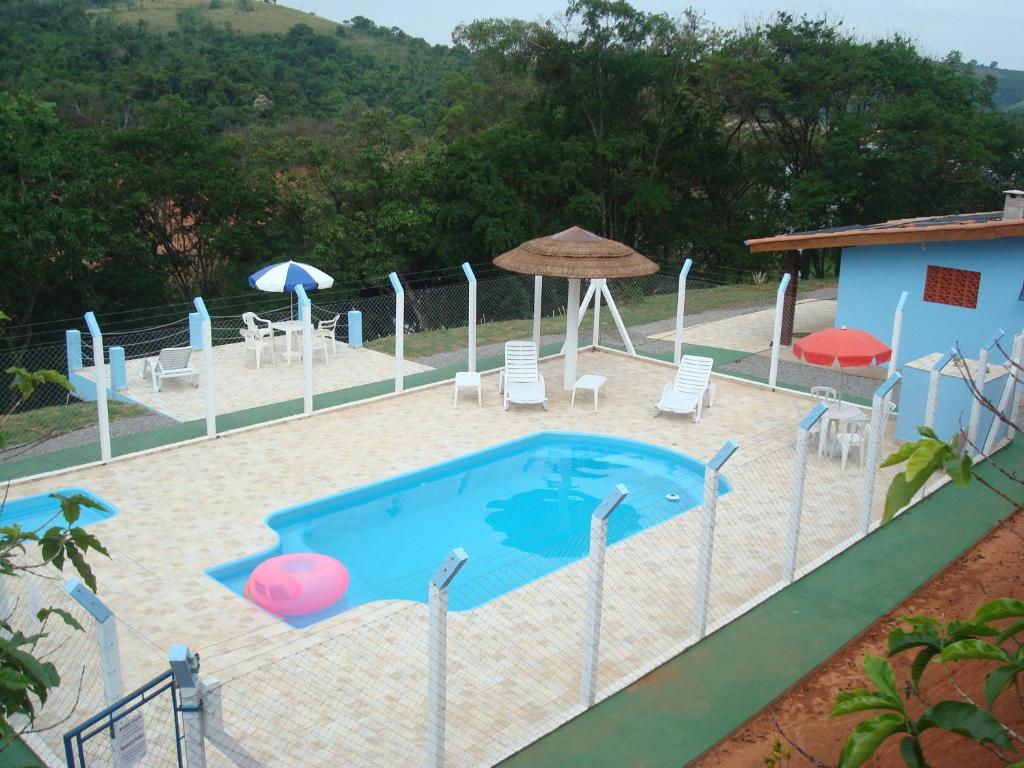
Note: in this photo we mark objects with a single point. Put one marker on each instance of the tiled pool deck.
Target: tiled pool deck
(351, 690)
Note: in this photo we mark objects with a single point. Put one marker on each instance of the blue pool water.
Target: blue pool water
(42, 511)
(520, 510)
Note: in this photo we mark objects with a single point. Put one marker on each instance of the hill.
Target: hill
(108, 62)
(249, 17)
(1009, 94)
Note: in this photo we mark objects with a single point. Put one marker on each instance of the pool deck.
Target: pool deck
(187, 508)
(241, 385)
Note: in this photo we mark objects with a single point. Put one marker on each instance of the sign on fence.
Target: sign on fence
(130, 734)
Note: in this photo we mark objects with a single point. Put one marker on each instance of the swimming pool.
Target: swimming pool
(521, 509)
(35, 512)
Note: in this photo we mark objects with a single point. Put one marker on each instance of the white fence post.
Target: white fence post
(897, 332)
(932, 403)
(106, 638)
(209, 383)
(796, 499)
(571, 334)
(980, 375)
(677, 352)
(99, 365)
(780, 298)
(399, 331)
(437, 653)
(213, 725)
(306, 316)
(597, 316)
(707, 535)
(537, 295)
(878, 401)
(595, 592)
(471, 278)
(185, 668)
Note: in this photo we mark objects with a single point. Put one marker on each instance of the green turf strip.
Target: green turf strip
(683, 708)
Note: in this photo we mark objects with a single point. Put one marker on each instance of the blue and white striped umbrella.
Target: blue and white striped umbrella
(288, 275)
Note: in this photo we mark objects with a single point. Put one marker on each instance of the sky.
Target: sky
(992, 30)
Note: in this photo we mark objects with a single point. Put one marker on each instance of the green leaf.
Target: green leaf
(967, 720)
(78, 560)
(879, 672)
(868, 736)
(924, 431)
(899, 495)
(996, 682)
(920, 664)
(900, 455)
(1002, 608)
(910, 751)
(925, 460)
(861, 699)
(70, 620)
(900, 640)
(964, 630)
(973, 649)
(13, 680)
(1009, 632)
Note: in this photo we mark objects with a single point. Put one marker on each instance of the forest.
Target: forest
(145, 166)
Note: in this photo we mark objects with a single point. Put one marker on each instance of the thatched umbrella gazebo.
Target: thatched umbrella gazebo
(574, 254)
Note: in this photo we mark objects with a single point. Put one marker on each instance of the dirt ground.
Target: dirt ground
(993, 568)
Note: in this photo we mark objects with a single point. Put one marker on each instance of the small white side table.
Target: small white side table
(468, 379)
(591, 381)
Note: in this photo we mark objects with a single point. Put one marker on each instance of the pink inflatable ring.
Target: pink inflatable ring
(291, 585)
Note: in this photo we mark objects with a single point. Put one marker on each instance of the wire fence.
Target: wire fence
(523, 652)
(355, 355)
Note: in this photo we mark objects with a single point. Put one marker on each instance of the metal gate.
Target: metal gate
(143, 728)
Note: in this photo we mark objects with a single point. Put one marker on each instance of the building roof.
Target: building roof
(961, 226)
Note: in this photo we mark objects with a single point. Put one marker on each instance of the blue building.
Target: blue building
(963, 274)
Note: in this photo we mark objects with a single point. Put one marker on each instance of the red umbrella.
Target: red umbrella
(845, 347)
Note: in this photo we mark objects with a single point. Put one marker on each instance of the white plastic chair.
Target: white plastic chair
(852, 436)
(257, 327)
(686, 393)
(524, 383)
(326, 329)
(318, 343)
(255, 342)
(828, 396)
(171, 363)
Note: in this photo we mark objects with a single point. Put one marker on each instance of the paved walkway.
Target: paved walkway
(671, 716)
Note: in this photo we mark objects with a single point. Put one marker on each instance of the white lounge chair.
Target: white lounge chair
(171, 363)
(687, 392)
(524, 383)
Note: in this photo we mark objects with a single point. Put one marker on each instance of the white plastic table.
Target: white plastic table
(591, 381)
(838, 412)
(468, 379)
(289, 327)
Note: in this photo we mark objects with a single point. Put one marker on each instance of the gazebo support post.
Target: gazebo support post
(572, 329)
(597, 314)
(538, 281)
(613, 308)
(584, 303)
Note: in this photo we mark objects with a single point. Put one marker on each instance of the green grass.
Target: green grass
(40, 423)
(264, 18)
(649, 309)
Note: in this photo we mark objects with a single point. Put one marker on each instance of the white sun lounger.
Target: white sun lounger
(523, 382)
(686, 393)
(171, 363)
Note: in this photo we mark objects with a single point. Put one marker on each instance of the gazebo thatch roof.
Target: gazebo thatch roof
(575, 253)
